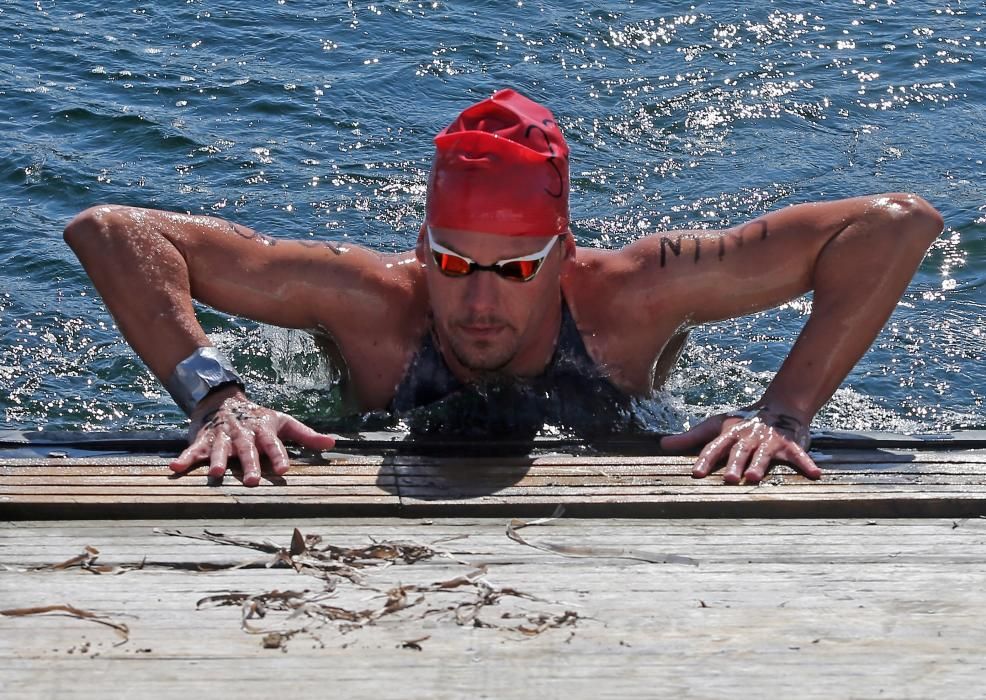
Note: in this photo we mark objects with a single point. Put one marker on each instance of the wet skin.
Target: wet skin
(632, 306)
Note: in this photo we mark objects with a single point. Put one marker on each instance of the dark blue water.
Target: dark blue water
(314, 119)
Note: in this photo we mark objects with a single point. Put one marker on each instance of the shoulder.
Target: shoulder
(624, 330)
(620, 287)
(377, 325)
(367, 293)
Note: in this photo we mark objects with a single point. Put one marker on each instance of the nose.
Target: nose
(482, 291)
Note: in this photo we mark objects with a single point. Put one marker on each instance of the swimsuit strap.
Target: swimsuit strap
(428, 378)
(570, 351)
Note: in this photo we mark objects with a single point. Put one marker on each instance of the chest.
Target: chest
(636, 353)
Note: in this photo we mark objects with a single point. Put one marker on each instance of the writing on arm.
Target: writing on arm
(251, 235)
(717, 243)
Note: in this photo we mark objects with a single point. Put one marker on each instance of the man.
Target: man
(497, 294)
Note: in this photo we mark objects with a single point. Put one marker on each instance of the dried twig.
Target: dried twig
(485, 594)
(219, 538)
(543, 621)
(72, 611)
(307, 554)
(309, 605)
(591, 551)
(414, 644)
(87, 562)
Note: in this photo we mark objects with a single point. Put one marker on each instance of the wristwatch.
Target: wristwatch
(202, 372)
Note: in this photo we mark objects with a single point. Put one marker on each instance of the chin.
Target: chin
(483, 359)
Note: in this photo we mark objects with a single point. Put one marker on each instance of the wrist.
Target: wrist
(200, 374)
(776, 407)
(215, 399)
(779, 417)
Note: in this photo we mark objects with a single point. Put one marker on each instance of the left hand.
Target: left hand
(749, 441)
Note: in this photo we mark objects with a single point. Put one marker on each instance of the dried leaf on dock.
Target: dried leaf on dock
(87, 562)
(307, 611)
(307, 554)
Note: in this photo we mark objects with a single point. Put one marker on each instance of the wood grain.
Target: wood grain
(879, 482)
(800, 608)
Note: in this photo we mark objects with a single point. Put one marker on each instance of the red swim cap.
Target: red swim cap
(500, 167)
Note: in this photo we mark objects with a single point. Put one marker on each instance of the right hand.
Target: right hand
(240, 428)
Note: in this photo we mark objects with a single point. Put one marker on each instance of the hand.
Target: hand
(749, 441)
(237, 428)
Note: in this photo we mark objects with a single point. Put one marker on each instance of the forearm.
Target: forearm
(858, 278)
(144, 282)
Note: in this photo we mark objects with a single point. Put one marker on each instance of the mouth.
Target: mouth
(482, 331)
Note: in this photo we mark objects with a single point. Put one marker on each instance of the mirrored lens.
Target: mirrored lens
(452, 265)
(519, 270)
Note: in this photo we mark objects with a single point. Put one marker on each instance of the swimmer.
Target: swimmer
(497, 292)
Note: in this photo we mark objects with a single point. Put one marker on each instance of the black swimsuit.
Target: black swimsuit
(572, 394)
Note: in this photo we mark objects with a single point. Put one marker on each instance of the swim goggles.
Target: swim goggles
(522, 269)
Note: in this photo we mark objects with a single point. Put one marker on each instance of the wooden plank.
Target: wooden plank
(535, 475)
(484, 484)
(535, 479)
(53, 468)
(335, 461)
(920, 474)
(189, 484)
(804, 608)
(857, 483)
(977, 456)
(139, 460)
(174, 440)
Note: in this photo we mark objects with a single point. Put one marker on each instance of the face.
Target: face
(485, 322)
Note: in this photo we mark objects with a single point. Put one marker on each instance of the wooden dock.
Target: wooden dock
(387, 567)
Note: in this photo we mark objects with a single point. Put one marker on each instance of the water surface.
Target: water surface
(311, 119)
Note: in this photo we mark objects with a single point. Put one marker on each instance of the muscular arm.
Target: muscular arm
(858, 256)
(149, 265)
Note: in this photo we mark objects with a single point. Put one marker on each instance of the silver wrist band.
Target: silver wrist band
(745, 414)
(198, 374)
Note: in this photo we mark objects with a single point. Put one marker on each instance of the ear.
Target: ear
(419, 247)
(568, 247)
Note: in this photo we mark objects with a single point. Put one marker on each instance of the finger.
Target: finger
(759, 465)
(246, 451)
(274, 449)
(739, 458)
(296, 431)
(712, 455)
(800, 460)
(198, 451)
(221, 448)
(699, 435)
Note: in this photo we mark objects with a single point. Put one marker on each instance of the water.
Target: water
(312, 119)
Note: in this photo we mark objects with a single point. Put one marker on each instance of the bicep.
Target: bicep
(293, 284)
(713, 275)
